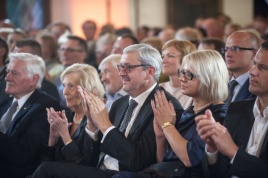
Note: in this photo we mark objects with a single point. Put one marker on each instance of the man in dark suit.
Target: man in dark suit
(240, 49)
(240, 147)
(23, 133)
(133, 147)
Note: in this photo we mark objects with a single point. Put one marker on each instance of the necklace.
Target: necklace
(77, 121)
(200, 109)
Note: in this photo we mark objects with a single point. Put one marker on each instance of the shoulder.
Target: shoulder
(242, 105)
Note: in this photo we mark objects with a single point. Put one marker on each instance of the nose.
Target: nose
(103, 77)
(252, 71)
(122, 72)
(8, 76)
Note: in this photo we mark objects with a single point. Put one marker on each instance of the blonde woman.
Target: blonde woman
(67, 129)
(173, 52)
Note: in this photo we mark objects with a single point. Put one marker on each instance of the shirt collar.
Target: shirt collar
(241, 79)
(143, 96)
(256, 110)
(23, 99)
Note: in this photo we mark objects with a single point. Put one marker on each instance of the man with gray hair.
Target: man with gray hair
(111, 79)
(125, 137)
(23, 126)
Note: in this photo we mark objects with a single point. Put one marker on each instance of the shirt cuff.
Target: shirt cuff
(232, 160)
(212, 157)
(93, 135)
(106, 132)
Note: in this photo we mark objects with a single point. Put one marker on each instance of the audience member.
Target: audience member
(13, 37)
(124, 146)
(229, 29)
(49, 48)
(89, 28)
(204, 77)
(213, 44)
(74, 50)
(173, 54)
(122, 42)
(213, 28)
(3, 63)
(33, 47)
(260, 24)
(166, 34)
(23, 126)
(191, 34)
(66, 140)
(111, 79)
(58, 29)
(239, 148)
(142, 32)
(107, 28)
(123, 31)
(104, 46)
(241, 47)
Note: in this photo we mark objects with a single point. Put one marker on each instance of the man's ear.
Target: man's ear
(35, 79)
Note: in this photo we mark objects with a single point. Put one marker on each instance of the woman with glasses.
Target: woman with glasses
(172, 53)
(203, 77)
(67, 128)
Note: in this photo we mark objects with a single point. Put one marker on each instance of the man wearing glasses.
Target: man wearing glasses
(240, 50)
(74, 50)
(124, 145)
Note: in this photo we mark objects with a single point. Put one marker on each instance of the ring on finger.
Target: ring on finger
(157, 105)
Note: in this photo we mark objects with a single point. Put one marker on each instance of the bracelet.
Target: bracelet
(166, 124)
(69, 141)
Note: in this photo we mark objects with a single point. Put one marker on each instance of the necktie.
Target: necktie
(232, 85)
(7, 117)
(122, 128)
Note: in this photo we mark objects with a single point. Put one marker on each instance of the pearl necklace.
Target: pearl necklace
(200, 109)
(75, 121)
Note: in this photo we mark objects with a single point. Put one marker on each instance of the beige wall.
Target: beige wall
(75, 12)
(123, 12)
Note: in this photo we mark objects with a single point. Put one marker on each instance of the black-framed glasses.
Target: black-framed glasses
(70, 50)
(235, 49)
(186, 74)
(127, 68)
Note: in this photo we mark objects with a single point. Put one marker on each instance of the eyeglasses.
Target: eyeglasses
(235, 49)
(70, 50)
(127, 68)
(186, 74)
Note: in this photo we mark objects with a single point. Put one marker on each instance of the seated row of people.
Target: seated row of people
(121, 140)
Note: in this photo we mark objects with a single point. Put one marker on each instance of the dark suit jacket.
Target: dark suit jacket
(3, 94)
(138, 150)
(22, 144)
(244, 93)
(240, 121)
(74, 152)
(50, 89)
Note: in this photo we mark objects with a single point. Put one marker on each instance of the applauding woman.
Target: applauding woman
(204, 77)
(67, 134)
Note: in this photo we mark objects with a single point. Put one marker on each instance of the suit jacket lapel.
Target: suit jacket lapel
(122, 110)
(145, 110)
(27, 105)
(244, 92)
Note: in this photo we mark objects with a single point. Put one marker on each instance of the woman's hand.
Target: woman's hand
(59, 126)
(163, 110)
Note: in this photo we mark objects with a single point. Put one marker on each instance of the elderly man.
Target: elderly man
(239, 149)
(24, 126)
(126, 135)
(111, 79)
(240, 50)
(33, 47)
